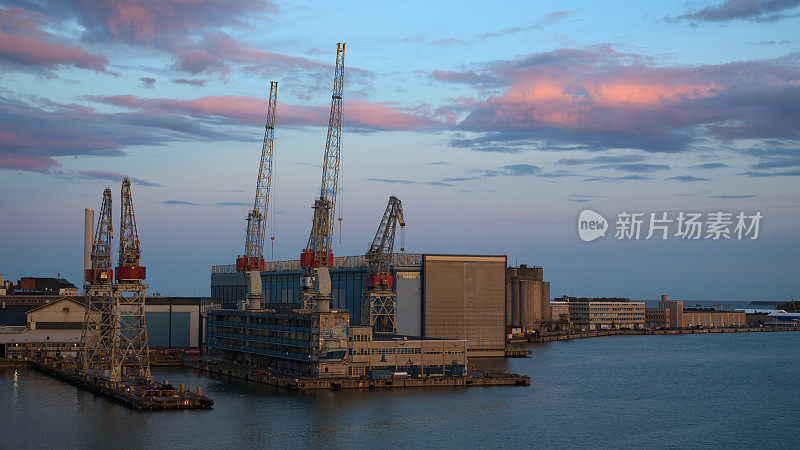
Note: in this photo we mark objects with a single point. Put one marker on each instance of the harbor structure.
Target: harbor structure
(595, 314)
(437, 295)
(308, 343)
(527, 298)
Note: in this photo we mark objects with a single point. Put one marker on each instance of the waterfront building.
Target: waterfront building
(527, 298)
(711, 318)
(438, 296)
(595, 314)
(669, 314)
(559, 310)
(300, 342)
(52, 330)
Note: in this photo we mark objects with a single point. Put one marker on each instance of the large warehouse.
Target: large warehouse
(438, 296)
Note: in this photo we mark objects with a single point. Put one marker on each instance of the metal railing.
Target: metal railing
(340, 262)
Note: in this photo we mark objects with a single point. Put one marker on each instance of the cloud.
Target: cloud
(544, 21)
(781, 42)
(399, 181)
(190, 81)
(729, 197)
(194, 34)
(602, 159)
(112, 176)
(755, 10)
(178, 203)
(711, 166)
(358, 114)
(639, 168)
(25, 46)
(148, 82)
(599, 99)
(36, 131)
(785, 173)
(688, 178)
(233, 204)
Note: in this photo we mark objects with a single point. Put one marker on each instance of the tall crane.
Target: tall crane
(316, 258)
(96, 334)
(379, 301)
(252, 262)
(129, 346)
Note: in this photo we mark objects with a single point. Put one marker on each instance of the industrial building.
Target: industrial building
(594, 314)
(438, 296)
(52, 330)
(303, 342)
(671, 314)
(172, 322)
(527, 298)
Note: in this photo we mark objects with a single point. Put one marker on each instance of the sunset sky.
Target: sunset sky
(495, 123)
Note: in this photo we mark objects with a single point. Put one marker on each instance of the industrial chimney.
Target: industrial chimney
(88, 236)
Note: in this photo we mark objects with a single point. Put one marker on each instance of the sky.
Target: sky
(495, 125)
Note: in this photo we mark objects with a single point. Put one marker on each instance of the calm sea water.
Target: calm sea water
(721, 391)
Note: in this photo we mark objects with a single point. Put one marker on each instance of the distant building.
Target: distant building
(669, 314)
(300, 342)
(595, 314)
(52, 330)
(172, 322)
(438, 296)
(527, 298)
(559, 311)
(710, 318)
(44, 286)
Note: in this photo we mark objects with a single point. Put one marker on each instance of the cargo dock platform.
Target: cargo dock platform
(130, 392)
(477, 378)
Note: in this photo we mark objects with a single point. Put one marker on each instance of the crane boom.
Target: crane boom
(253, 258)
(379, 301)
(101, 247)
(316, 258)
(318, 250)
(379, 255)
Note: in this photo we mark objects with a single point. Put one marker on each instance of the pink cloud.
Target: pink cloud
(23, 43)
(251, 110)
(606, 99)
(26, 162)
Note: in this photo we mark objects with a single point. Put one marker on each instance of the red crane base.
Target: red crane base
(101, 275)
(131, 273)
(308, 258)
(245, 264)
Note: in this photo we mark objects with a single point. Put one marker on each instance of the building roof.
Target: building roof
(35, 336)
(69, 299)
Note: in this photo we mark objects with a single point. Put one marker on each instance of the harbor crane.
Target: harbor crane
(379, 301)
(317, 258)
(252, 262)
(129, 347)
(97, 330)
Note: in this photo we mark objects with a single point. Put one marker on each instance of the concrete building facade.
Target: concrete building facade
(438, 296)
(604, 314)
(323, 345)
(527, 298)
(707, 318)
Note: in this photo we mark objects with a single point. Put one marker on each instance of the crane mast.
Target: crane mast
(378, 303)
(129, 347)
(252, 262)
(316, 258)
(97, 330)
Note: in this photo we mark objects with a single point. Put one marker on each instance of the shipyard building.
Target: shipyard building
(438, 296)
(302, 342)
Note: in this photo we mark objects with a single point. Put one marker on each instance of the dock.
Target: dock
(477, 378)
(130, 392)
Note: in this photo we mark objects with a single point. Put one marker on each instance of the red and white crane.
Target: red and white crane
(252, 262)
(317, 258)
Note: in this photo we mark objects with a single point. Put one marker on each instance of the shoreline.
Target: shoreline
(591, 334)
